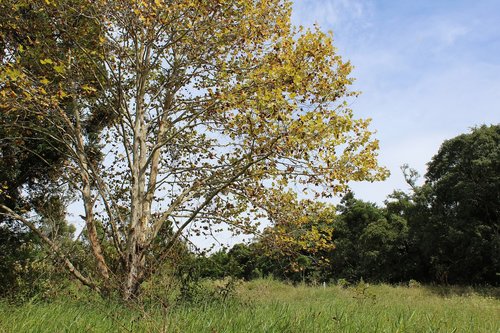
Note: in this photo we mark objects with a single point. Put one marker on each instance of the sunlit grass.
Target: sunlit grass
(271, 306)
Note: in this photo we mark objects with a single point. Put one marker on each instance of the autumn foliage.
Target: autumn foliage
(182, 113)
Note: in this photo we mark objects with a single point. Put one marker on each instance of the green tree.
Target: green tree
(352, 219)
(462, 232)
(370, 242)
(414, 209)
(385, 250)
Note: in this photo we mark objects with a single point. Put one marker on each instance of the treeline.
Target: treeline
(444, 231)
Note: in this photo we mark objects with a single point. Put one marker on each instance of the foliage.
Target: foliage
(362, 292)
(34, 45)
(463, 226)
(313, 243)
(27, 271)
(37, 40)
(16, 255)
(453, 218)
(300, 236)
(199, 108)
(444, 231)
(370, 243)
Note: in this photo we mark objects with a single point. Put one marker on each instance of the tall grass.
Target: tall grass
(271, 306)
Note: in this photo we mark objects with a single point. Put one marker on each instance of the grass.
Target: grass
(271, 306)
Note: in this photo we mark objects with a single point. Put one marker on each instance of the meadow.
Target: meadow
(272, 306)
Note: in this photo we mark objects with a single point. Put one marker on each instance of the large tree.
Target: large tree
(462, 231)
(194, 109)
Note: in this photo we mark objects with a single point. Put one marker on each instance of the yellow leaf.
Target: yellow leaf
(62, 93)
(46, 61)
(13, 73)
(88, 88)
(59, 69)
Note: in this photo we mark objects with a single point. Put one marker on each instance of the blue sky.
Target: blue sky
(428, 71)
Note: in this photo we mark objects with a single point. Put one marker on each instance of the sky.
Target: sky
(428, 71)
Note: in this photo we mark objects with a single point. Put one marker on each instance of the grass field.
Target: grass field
(271, 306)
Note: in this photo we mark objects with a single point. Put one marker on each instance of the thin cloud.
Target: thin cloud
(331, 13)
(427, 70)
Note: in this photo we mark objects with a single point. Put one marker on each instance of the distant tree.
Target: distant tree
(242, 261)
(413, 209)
(462, 232)
(371, 242)
(385, 250)
(310, 241)
(353, 217)
(239, 262)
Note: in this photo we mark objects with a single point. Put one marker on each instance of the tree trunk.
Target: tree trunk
(134, 272)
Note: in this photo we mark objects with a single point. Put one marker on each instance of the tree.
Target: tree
(413, 210)
(453, 217)
(385, 250)
(463, 226)
(201, 106)
(35, 39)
(239, 262)
(370, 242)
(353, 218)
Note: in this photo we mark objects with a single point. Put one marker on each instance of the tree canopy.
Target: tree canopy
(464, 178)
(178, 112)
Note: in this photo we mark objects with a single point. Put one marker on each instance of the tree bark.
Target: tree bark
(135, 270)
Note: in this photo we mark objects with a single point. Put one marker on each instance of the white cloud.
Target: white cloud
(438, 34)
